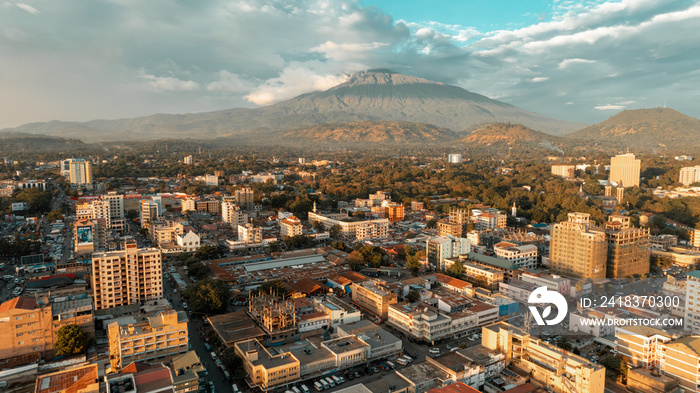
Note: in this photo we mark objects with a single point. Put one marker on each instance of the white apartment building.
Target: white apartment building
(356, 230)
(250, 234)
(525, 256)
(440, 248)
(290, 226)
(232, 214)
(692, 302)
(565, 171)
(337, 310)
(424, 322)
(689, 175)
(625, 170)
(454, 158)
(641, 344)
(189, 242)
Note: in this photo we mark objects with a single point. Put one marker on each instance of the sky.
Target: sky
(577, 60)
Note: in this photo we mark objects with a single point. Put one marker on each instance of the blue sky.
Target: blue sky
(578, 60)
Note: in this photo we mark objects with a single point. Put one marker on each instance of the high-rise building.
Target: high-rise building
(440, 248)
(128, 276)
(250, 234)
(232, 214)
(628, 248)
(149, 212)
(689, 175)
(80, 171)
(454, 158)
(695, 238)
(188, 160)
(680, 359)
(245, 198)
(577, 248)
(692, 302)
(625, 169)
(90, 236)
(394, 212)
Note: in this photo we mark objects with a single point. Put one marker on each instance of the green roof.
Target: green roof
(493, 261)
(695, 274)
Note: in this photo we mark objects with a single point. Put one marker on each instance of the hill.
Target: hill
(382, 132)
(375, 95)
(12, 143)
(645, 129)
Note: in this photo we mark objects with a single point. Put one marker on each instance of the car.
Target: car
(448, 346)
(434, 350)
(357, 375)
(184, 305)
(375, 370)
(235, 388)
(208, 347)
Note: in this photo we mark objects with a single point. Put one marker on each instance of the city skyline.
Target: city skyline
(576, 61)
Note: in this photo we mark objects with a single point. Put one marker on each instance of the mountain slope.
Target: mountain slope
(374, 132)
(375, 95)
(645, 129)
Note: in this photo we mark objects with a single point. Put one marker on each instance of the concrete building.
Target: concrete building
(454, 158)
(90, 236)
(232, 214)
(374, 297)
(443, 247)
(189, 242)
(695, 238)
(250, 234)
(426, 323)
(29, 325)
(680, 359)
(525, 256)
(245, 198)
(565, 171)
(625, 170)
(689, 175)
(628, 248)
(692, 302)
(80, 171)
(83, 379)
(128, 276)
(382, 344)
(291, 226)
(353, 230)
(277, 318)
(641, 344)
(394, 212)
(553, 282)
(154, 338)
(188, 160)
(188, 373)
(338, 311)
(449, 228)
(577, 249)
(559, 370)
(148, 212)
(267, 370)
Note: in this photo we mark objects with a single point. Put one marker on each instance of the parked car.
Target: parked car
(434, 350)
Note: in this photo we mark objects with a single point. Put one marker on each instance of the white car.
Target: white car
(434, 350)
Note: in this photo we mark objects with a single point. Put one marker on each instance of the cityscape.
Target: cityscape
(352, 197)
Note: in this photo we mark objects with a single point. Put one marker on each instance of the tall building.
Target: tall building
(116, 204)
(695, 238)
(372, 296)
(80, 171)
(565, 171)
(290, 226)
(245, 198)
(188, 160)
(232, 214)
(128, 276)
(250, 234)
(625, 169)
(147, 338)
(577, 249)
(443, 247)
(149, 212)
(692, 302)
(394, 212)
(689, 175)
(90, 236)
(357, 230)
(454, 158)
(680, 359)
(628, 248)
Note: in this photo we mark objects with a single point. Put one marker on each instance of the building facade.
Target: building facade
(577, 249)
(373, 297)
(625, 170)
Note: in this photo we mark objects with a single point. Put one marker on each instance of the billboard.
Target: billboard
(20, 206)
(84, 234)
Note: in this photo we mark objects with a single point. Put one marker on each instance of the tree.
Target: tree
(456, 270)
(355, 260)
(273, 287)
(432, 223)
(55, 215)
(335, 230)
(338, 245)
(274, 246)
(317, 226)
(413, 296)
(208, 252)
(234, 364)
(208, 296)
(564, 343)
(71, 340)
(413, 264)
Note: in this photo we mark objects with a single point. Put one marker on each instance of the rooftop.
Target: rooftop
(420, 373)
(72, 380)
(235, 326)
(344, 344)
(458, 387)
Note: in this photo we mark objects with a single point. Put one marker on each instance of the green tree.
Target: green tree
(564, 343)
(71, 340)
(413, 296)
(273, 287)
(206, 253)
(208, 296)
(317, 226)
(338, 245)
(55, 215)
(413, 264)
(274, 247)
(456, 270)
(234, 364)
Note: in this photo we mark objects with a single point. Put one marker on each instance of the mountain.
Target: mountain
(13, 142)
(374, 95)
(374, 132)
(645, 129)
(500, 136)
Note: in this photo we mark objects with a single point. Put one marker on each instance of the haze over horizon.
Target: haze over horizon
(572, 60)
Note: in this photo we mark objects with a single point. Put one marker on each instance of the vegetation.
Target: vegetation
(455, 270)
(413, 296)
(72, 340)
(208, 296)
(234, 364)
(273, 287)
(616, 366)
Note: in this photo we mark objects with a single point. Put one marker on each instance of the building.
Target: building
(394, 212)
(427, 323)
(232, 214)
(352, 230)
(382, 344)
(89, 236)
(553, 282)
(80, 171)
(417, 206)
(250, 234)
(372, 296)
(267, 370)
(439, 249)
(128, 276)
(689, 175)
(680, 359)
(454, 158)
(577, 249)
(189, 242)
(479, 275)
(290, 226)
(29, 325)
(140, 377)
(149, 211)
(338, 311)
(625, 170)
(277, 318)
(628, 248)
(692, 302)
(640, 345)
(449, 228)
(525, 256)
(695, 238)
(153, 339)
(234, 327)
(559, 370)
(84, 379)
(245, 198)
(188, 373)
(565, 171)
(188, 160)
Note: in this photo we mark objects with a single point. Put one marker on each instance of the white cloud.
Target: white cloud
(169, 83)
(230, 83)
(539, 79)
(293, 81)
(609, 107)
(569, 62)
(27, 8)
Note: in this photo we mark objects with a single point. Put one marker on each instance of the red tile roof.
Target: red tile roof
(451, 281)
(23, 303)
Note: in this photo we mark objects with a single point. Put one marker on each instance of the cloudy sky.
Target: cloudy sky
(579, 60)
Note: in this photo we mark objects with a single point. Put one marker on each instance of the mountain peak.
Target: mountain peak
(381, 76)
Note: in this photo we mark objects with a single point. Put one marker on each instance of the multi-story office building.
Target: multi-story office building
(454, 158)
(147, 338)
(90, 236)
(440, 248)
(525, 256)
(232, 214)
(689, 175)
(29, 325)
(577, 248)
(427, 323)
(565, 171)
(245, 198)
(628, 248)
(355, 230)
(250, 234)
(680, 359)
(149, 212)
(625, 170)
(128, 276)
(394, 212)
(449, 228)
(338, 311)
(692, 302)
(372, 296)
(290, 226)
(80, 171)
(477, 274)
(641, 344)
(266, 369)
(188, 373)
(559, 370)
(488, 221)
